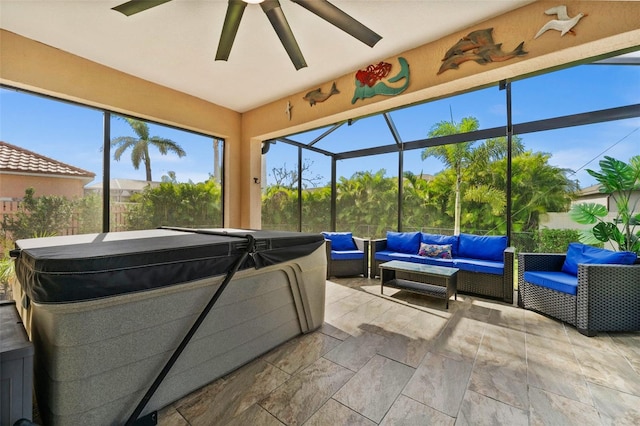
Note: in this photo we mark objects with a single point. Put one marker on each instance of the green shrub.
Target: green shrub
(555, 240)
(39, 216)
(190, 205)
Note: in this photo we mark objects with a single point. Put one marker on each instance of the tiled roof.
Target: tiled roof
(590, 190)
(16, 159)
(124, 185)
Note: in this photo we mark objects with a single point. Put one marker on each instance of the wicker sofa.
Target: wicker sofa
(599, 297)
(346, 254)
(485, 263)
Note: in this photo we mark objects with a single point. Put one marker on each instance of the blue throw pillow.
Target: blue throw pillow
(485, 247)
(403, 242)
(580, 253)
(340, 241)
(442, 240)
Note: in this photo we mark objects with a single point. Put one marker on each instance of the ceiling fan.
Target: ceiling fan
(271, 8)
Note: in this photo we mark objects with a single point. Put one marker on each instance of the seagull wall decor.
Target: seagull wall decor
(564, 23)
(272, 9)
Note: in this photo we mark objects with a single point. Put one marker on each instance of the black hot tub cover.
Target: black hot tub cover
(91, 266)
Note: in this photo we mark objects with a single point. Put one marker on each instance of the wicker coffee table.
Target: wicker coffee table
(434, 281)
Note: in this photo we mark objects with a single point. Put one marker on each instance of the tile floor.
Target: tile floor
(403, 359)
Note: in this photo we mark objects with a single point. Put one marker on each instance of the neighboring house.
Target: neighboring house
(590, 194)
(122, 189)
(21, 169)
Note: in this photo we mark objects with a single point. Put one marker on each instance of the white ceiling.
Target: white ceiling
(174, 44)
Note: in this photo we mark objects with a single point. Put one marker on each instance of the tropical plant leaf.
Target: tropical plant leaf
(587, 213)
(615, 175)
(603, 231)
(634, 243)
(587, 237)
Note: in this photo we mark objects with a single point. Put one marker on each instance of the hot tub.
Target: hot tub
(106, 311)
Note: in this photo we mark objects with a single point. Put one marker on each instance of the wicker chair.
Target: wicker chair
(608, 296)
(341, 267)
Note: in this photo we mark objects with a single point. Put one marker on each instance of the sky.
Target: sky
(73, 134)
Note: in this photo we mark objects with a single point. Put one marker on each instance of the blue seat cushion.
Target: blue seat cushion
(581, 253)
(346, 254)
(388, 255)
(479, 265)
(340, 241)
(485, 247)
(403, 242)
(436, 261)
(559, 281)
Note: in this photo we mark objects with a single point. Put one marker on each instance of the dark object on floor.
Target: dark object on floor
(25, 422)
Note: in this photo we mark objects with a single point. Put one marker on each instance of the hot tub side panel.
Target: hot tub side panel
(95, 360)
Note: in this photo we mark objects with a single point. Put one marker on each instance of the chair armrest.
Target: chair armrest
(608, 298)
(362, 244)
(598, 278)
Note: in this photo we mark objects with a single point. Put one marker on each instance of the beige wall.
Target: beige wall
(13, 185)
(609, 27)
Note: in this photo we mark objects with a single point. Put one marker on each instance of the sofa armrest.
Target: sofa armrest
(375, 246)
(508, 258)
(379, 244)
(363, 245)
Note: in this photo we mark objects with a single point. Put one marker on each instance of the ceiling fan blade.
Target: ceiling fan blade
(230, 28)
(340, 19)
(273, 11)
(134, 6)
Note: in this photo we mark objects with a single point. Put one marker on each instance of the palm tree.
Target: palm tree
(456, 156)
(140, 146)
(538, 188)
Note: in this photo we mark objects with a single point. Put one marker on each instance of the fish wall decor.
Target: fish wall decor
(477, 46)
(369, 82)
(564, 23)
(316, 96)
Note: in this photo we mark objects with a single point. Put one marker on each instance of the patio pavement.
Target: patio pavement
(403, 359)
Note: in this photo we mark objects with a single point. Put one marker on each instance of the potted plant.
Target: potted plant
(619, 180)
